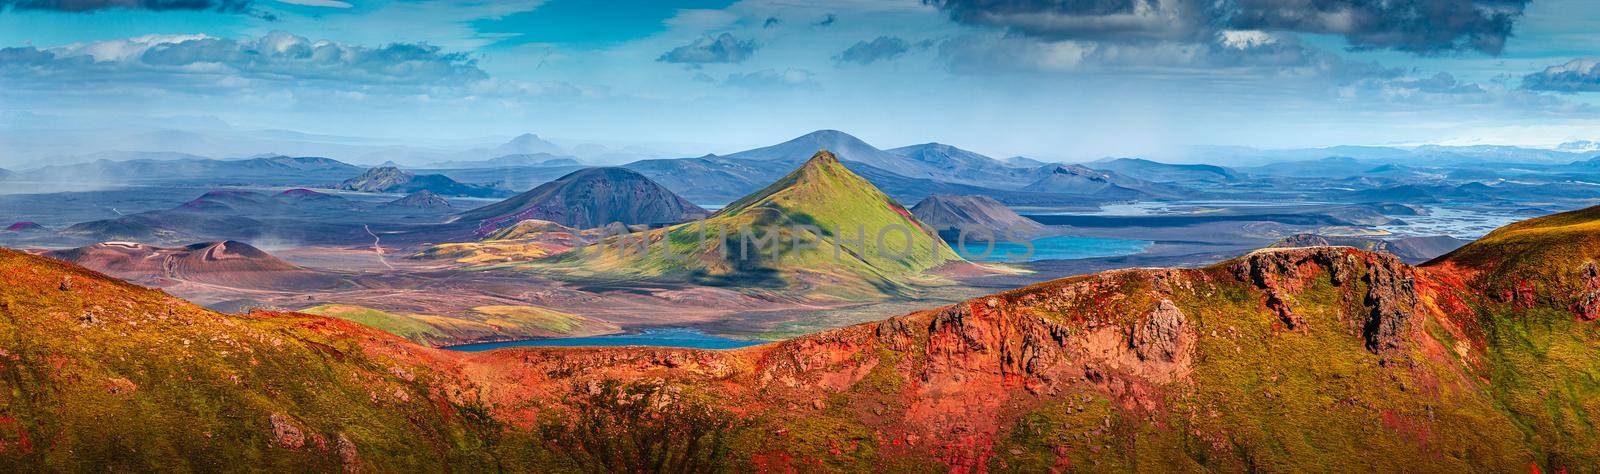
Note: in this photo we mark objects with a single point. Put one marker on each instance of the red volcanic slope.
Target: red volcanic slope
(230, 263)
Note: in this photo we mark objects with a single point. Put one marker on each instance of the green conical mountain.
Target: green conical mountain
(819, 226)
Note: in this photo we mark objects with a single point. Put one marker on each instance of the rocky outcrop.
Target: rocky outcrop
(1160, 336)
(1588, 305)
(1389, 298)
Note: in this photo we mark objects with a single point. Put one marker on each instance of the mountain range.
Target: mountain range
(1319, 358)
(264, 170)
(509, 161)
(907, 173)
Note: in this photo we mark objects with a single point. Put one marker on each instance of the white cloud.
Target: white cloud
(318, 3)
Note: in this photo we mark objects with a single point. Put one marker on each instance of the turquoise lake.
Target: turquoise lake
(1063, 247)
(662, 337)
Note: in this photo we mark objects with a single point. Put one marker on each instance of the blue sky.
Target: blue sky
(1052, 79)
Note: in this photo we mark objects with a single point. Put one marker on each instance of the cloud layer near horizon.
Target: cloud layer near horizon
(203, 61)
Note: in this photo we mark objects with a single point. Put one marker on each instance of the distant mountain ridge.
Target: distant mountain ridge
(267, 170)
(1163, 172)
(505, 161)
(910, 172)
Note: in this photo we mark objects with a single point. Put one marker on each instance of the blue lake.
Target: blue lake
(663, 337)
(1063, 247)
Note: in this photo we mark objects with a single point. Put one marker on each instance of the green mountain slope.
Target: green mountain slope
(819, 226)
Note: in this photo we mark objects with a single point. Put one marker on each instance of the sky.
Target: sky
(1054, 79)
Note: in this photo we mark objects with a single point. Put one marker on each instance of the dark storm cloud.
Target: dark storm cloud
(226, 6)
(1578, 75)
(199, 62)
(724, 48)
(827, 20)
(771, 22)
(1415, 26)
(867, 52)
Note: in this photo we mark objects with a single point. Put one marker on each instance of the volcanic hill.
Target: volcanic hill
(821, 224)
(387, 179)
(981, 217)
(229, 264)
(1304, 359)
(589, 198)
(25, 226)
(423, 199)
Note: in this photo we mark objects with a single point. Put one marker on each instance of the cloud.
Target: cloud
(1238, 53)
(1099, 20)
(1415, 87)
(1443, 90)
(867, 52)
(827, 20)
(226, 6)
(1578, 75)
(724, 48)
(318, 3)
(771, 22)
(197, 62)
(771, 79)
(1414, 26)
